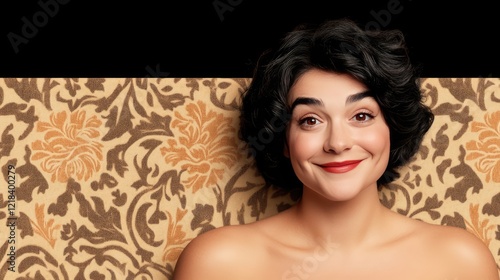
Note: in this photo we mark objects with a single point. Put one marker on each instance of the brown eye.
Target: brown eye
(309, 121)
(362, 117)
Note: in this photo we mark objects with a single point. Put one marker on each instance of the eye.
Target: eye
(308, 121)
(362, 117)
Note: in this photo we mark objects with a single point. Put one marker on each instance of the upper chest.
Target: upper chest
(324, 262)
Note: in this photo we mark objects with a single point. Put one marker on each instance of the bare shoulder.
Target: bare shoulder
(462, 250)
(216, 254)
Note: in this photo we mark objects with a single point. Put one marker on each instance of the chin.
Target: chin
(342, 192)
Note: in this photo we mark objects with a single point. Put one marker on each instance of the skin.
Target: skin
(339, 229)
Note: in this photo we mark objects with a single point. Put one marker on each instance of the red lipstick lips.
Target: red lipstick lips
(340, 167)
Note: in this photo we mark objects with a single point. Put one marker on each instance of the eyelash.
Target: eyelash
(302, 121)
(366, 114)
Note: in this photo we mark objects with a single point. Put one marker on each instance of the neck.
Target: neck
(349, 224)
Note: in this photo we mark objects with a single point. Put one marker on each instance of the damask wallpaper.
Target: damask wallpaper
(109, 178)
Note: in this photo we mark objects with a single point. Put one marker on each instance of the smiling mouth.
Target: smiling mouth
(340, 167)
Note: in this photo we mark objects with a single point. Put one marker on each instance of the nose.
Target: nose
(337, 138)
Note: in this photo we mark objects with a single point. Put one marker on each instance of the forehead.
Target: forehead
(318, 83)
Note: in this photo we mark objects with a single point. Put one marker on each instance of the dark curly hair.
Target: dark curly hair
(377, 58)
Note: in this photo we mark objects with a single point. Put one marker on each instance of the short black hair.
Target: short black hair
(377, 58)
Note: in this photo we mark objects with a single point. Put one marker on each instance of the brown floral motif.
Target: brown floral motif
(101, 268)
(43, 227)
(486, 149)
(205, 146)
(70, 147)
(36, 262)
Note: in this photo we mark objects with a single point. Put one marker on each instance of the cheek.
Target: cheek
(303, 145)
(377, 140)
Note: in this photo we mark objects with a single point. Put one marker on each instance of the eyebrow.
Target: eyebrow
(306, 101)
(358, 96)
(318, 102)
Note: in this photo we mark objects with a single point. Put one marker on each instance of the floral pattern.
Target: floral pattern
(45, 229)
(114, 176)
(70, 146)
(486, 150)
(205, 146)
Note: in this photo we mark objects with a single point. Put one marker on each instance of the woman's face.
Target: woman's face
(338, 140)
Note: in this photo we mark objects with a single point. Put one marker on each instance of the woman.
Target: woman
(344, 110)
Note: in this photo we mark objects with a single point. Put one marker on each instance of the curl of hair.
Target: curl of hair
(378, 59)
